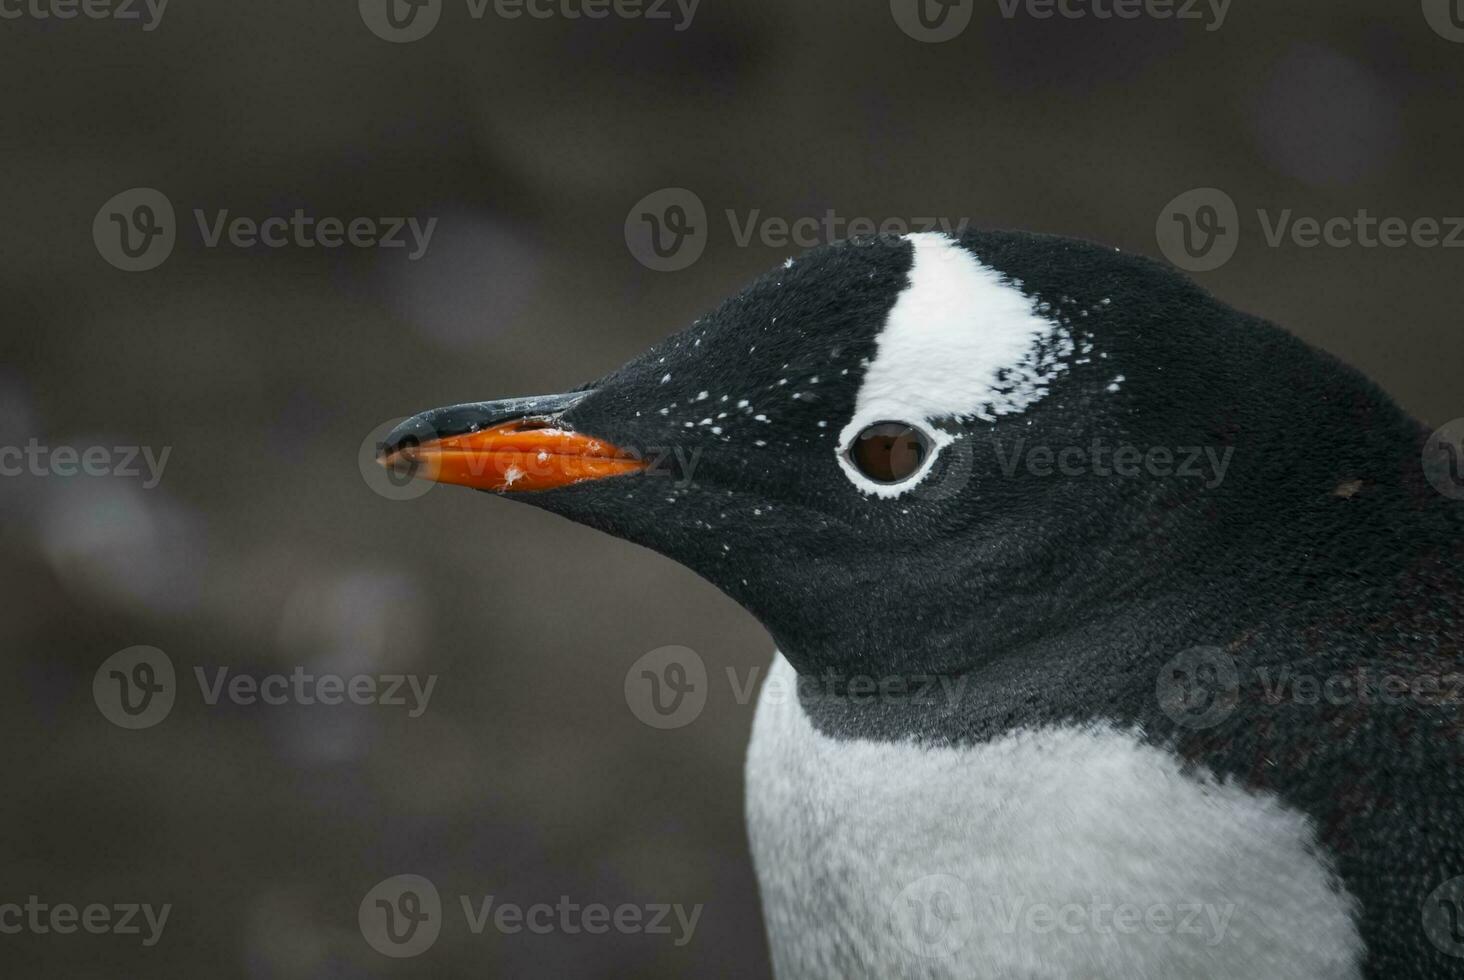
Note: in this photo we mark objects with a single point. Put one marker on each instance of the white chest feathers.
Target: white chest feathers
(1061, 852)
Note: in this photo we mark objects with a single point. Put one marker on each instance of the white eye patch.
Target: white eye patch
(950, 334)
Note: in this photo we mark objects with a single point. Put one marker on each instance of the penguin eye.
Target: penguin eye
(888, 452)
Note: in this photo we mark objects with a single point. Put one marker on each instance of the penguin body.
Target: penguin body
(1096, 598)
(1068, 851)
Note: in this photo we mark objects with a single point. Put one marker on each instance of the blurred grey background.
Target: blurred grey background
(264, 370)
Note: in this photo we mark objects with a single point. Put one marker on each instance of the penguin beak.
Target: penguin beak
(515, 445)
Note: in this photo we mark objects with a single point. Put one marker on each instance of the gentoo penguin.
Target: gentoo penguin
(1119, 631)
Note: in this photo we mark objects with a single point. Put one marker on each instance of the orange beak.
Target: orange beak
(520, 454)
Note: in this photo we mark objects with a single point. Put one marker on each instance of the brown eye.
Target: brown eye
(888, 452)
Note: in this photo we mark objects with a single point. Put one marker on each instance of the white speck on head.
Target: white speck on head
(742, 403)
(706, 421)
(666, 378)
(716, 430)
(701, 396)
(759, 442)
(665, 411)
(823, 423)
(724, 398)
(689, 424)
(1116, 384)
(760, 418)
(813, 380)
(782, 381)
(942, 353)
(1107, 301)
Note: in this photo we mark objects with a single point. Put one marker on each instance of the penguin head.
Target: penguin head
(901, 453)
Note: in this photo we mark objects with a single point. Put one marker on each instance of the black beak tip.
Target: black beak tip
(459, 420)
(408, 434)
